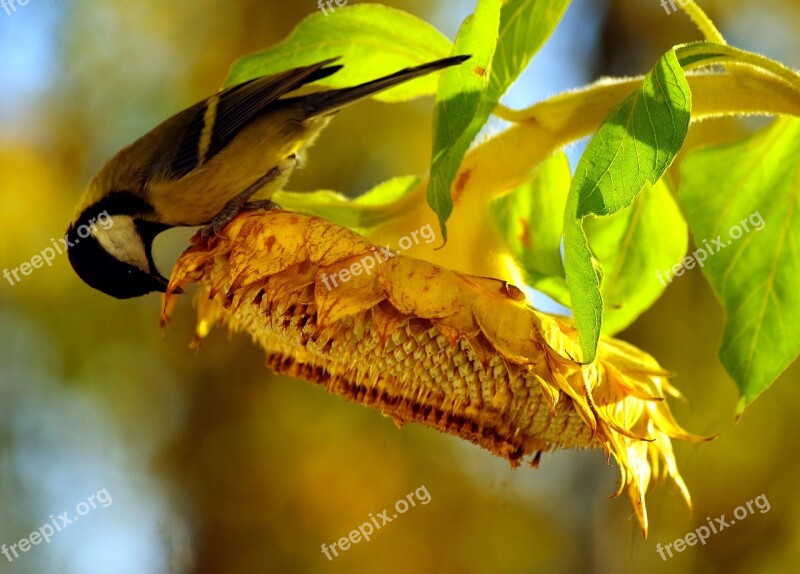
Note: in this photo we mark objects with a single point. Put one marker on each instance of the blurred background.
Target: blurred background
(216, 465)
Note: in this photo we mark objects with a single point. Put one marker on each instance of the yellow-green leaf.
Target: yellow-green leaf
(373, 40)
(635, 144)
(752, 184)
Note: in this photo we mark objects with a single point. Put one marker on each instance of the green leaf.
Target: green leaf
(530, 220)
(456, 121)
(525, 25)
(703, 54)
(389, 191)
(755, 182)
(635, 144)
(466, 100)
(373, 40)
(632, 245)
(365, 212)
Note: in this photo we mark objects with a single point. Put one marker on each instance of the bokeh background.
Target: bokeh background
(214, 464)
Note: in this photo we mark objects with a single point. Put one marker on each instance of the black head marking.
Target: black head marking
(100, 269)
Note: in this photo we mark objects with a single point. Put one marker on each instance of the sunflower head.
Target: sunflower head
(465, 355)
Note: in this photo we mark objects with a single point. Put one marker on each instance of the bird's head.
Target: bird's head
(113, 253)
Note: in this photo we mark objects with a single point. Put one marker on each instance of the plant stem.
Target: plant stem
(703, 22)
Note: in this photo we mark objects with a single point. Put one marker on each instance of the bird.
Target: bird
(202, 166)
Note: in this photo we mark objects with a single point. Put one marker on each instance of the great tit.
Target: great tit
(202, 166)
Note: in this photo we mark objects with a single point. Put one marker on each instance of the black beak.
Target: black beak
(162, 283)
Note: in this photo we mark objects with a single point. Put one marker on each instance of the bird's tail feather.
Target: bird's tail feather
(328, 101)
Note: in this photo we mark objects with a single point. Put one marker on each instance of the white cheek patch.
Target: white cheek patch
(122, 240)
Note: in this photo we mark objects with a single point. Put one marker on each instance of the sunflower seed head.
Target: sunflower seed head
(461, 354)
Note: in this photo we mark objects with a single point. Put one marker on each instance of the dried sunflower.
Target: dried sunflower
(463, 354)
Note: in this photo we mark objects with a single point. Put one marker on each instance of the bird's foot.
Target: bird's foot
(239, 204)
(265, 204)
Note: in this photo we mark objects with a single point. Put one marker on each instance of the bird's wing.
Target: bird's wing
(215, 122)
